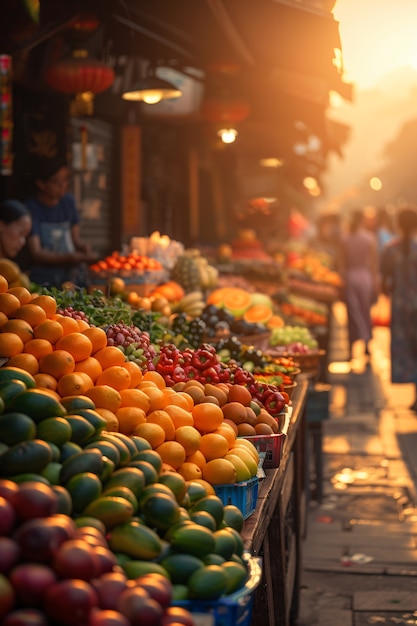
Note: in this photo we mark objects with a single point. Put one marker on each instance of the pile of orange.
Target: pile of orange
(194, 429)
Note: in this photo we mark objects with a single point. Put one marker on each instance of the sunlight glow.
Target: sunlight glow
(375, 183)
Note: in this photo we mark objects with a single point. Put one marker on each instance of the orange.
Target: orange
(189, 438)
(26, 362)
(227, 432)
(54, 394)
(134, 371)
(45, 381)
(156, 378)
(104, 397)
(239, 393)
(89, 366)
(57, 363)
(24, 296)
(97, 336)
(184, 400)
(74, 384)
(213, 446)
(19, 327)
(146, 384)
(219, 472)
(30, 312)
(4, 285)
(190, 471)
(156, 397)
(38, 347)
(179, 416)
(153, 433)
(50, 330)
(76, 344)
(135, 397)
(48, 304)
(163, 419)
(10, 344)
(69, 324)
(129, 417)
(198, 458)
(172, 453)
(111, 419)
(3, 318)
(110, 355)
(9, 303)
(207, 416)
(82, 325)
(115, 376)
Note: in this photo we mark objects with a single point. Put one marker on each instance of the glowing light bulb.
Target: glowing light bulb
(227, 135)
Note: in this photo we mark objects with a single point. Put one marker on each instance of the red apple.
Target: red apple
(92, 535)
(7, 596)
(8, 488)
(9, 554)
(34, 499)
(30, 582)
(105, 559)
(139, 608)
(38, 539)
(109, 587)
(177, 615)
(70, 602)
(75, 558)
(157, 586)
(26, 617)
(99, 617)
(7, 516)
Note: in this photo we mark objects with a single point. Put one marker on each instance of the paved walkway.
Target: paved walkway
(360, 550)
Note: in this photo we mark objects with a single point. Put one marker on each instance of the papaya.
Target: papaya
(8, 372)
(107, 448)
(111, 510)
(69, 449)
(127, 441)
(124, 451)
(108, 468)
(9, 389)
(73, 403)
(81, 429)
(236, 575)
(51, 472)
(123, 492)
(181, 566)
(87, 520)
(38, 404)
(236, 300)
(55, 430)
(16, 427)
(83, 489)
(26, 456)
(258, 314)
(136, 540)
(275, 321)
(134, 569)
(29, 477)
(193, 539)
(95, 419)
(208, 583)
(84, 461)
(129, 477)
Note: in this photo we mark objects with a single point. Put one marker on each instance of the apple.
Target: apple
(176, 615)
(7, 516)
(9, 554)
(70, 602)
(100, 617)
(8, 488)
(109, 586)
(34, 499)
(139, 608)
(106, 560)
(92, 535)
(39, 538)
(7, 596)
(75, 558)
(26, 617)
(157, 586)
(30, 582)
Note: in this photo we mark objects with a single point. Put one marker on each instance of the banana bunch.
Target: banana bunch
(192, 304)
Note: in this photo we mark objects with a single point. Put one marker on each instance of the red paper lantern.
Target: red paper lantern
(224, 109)
(76, 75)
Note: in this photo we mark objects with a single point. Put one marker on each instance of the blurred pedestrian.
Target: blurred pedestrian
(15, 225)
(399, 280)
(384, 227)
(327, 237)
(57, 250)
(358, 263)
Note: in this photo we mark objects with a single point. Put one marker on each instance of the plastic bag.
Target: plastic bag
(381, 311)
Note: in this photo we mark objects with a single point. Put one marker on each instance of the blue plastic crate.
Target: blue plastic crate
(243, 495)
(232, 610)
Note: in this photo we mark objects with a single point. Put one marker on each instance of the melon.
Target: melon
(258, 314)
(275, 321)
(237, 301)
(261, 298)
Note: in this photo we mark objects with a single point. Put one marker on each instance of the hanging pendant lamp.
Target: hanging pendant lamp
(151, 89)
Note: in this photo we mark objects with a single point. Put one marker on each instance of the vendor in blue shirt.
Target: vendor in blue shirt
(57, 251)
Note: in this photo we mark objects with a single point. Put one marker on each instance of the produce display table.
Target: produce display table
(274, 531)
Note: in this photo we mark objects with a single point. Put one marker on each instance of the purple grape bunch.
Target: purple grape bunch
(69, 311)
(135, 343)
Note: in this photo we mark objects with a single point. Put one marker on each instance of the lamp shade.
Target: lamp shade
(77, 75)
(151, 89)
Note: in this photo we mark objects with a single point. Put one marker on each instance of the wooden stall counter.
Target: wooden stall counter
(274, 531)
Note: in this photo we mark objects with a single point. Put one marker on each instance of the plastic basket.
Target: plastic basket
(232, 610)
(270, 447)
(243, 495)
